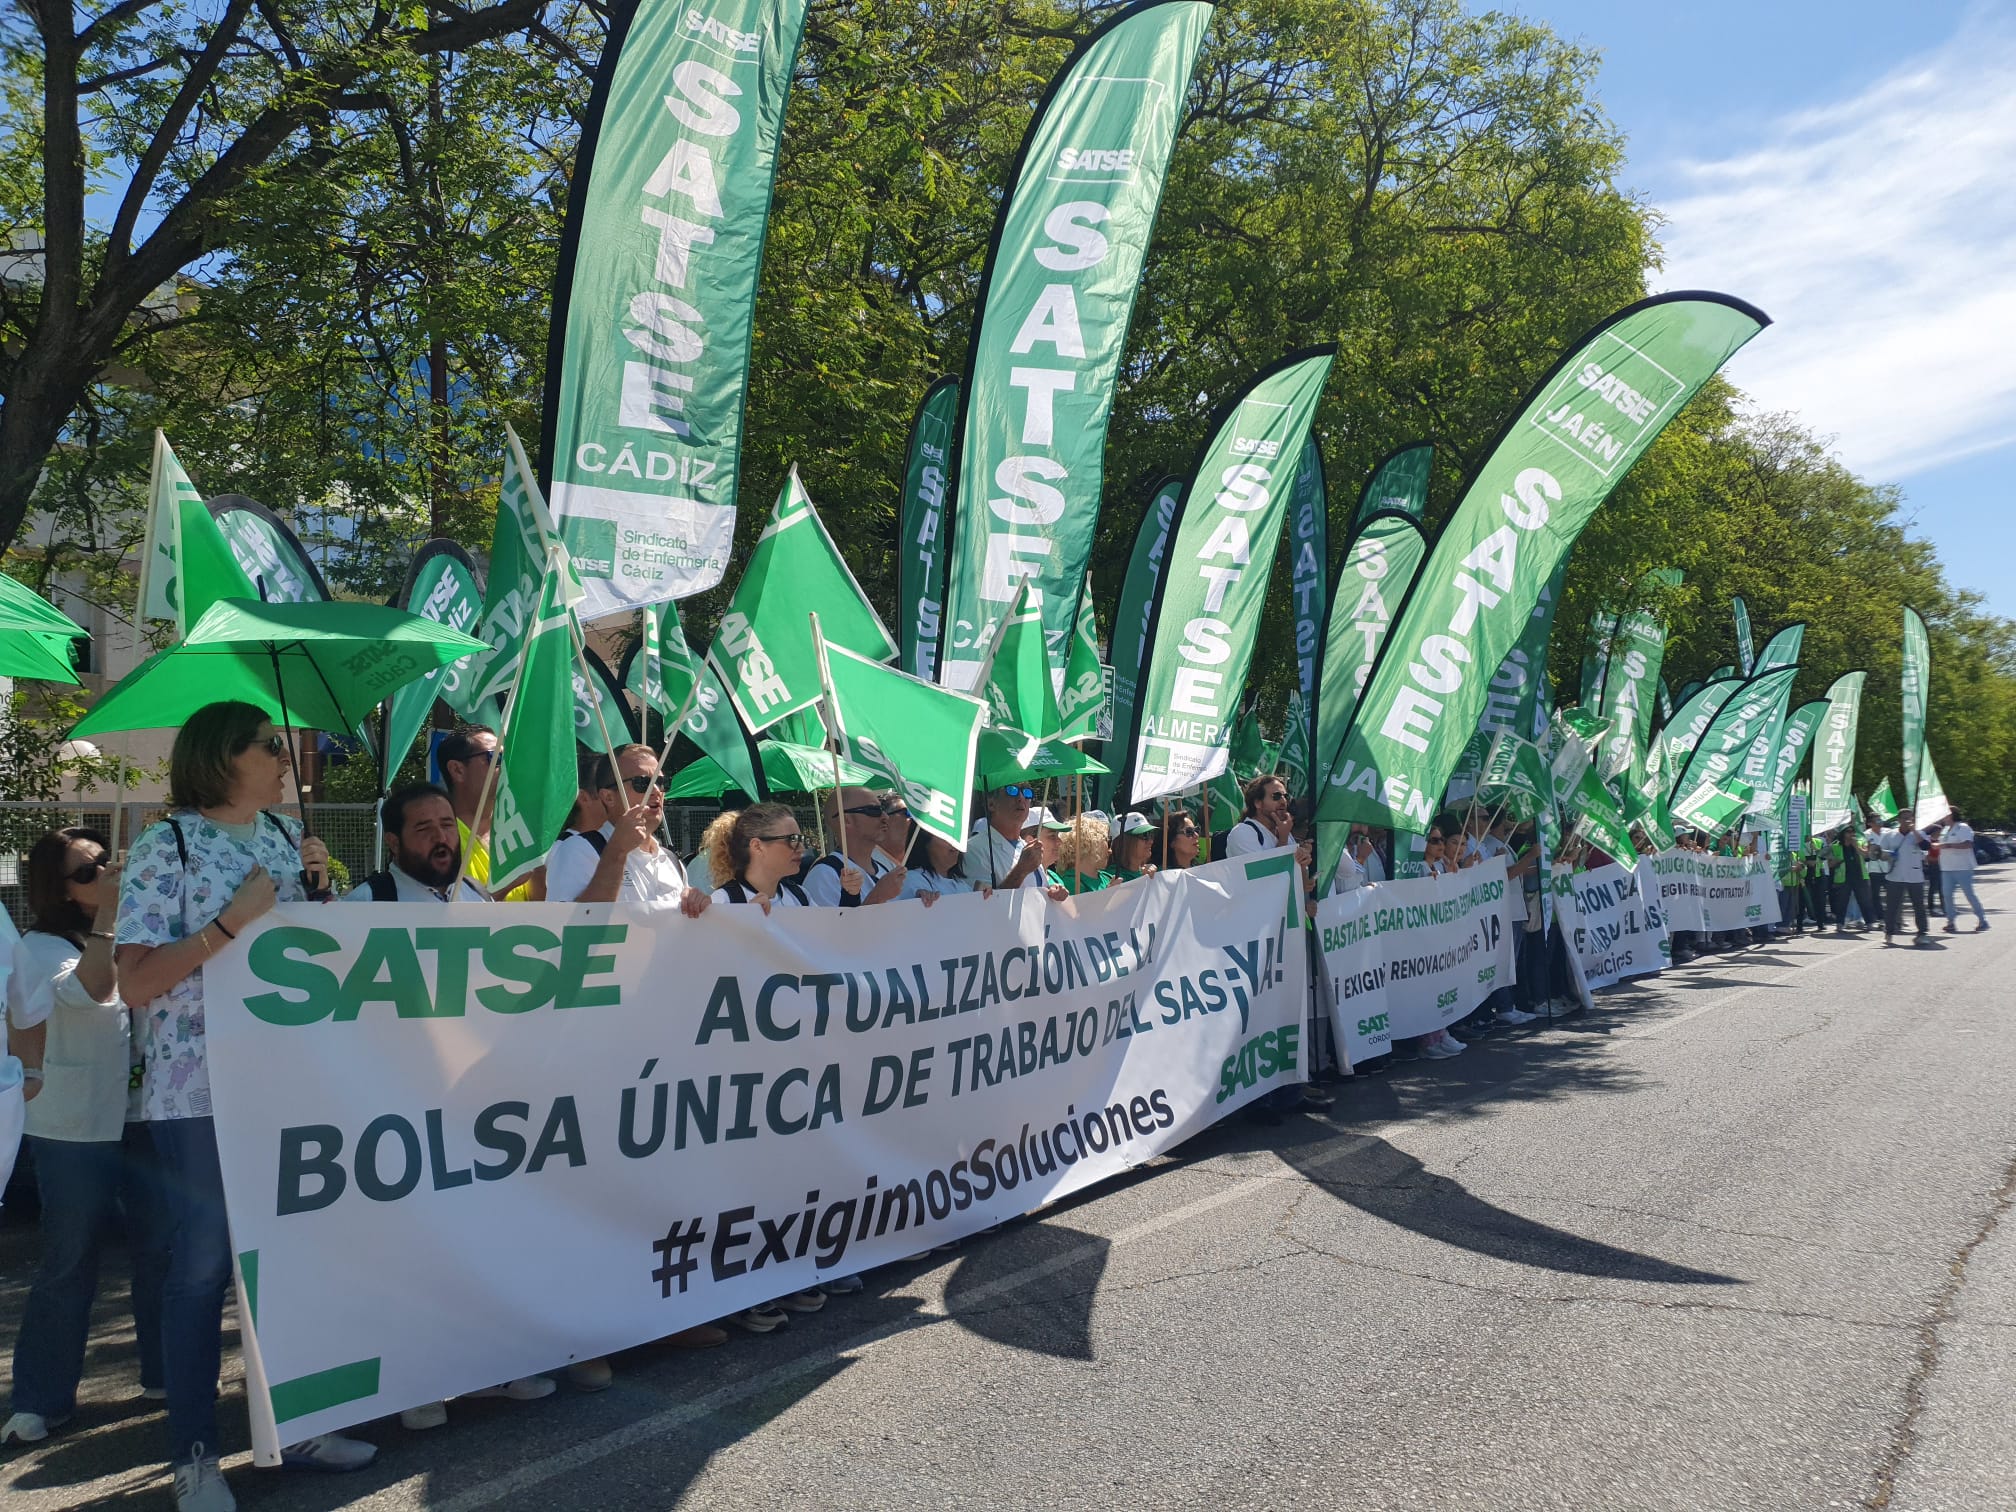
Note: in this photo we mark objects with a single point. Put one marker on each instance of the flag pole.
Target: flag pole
(826, 686)
(579, 637)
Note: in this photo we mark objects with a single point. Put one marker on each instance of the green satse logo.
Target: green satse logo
(534, 967)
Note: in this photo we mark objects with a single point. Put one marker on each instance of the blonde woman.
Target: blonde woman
(1082, 854)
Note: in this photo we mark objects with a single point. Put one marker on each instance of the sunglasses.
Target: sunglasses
(796, 839)
(1018, 792)
(274, 745)
(639, 785)
(873, 809)
(1188, 832)
(86, 874)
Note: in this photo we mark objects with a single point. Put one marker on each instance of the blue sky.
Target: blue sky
(1846, 166)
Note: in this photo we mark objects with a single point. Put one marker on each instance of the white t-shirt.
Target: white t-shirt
(87, 1059)
(822, 882)
(917, 882)
(407, 888)
(1249, 837)
(1907, 861)
(653, 879)
(993, 855)
(1350, 875)
(1956, 849)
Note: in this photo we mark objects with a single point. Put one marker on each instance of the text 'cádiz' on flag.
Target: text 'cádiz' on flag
(763, 652)
(920, 736)
(1214, 588)
(1062, 274)
(655, 304)
(1563, 453)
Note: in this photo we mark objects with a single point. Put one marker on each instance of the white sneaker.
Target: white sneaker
(524, 1389)
(1439, 1052)
(29, 1427)
(1514, 1016)
(153, 1393)
(426, 1415)
(1453, 1043)
(199, 1485)
(329, 1451)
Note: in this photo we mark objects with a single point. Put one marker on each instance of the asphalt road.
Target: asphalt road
(1738, 1239)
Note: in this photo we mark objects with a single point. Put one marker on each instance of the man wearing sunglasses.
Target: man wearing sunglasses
(623, 861)
(852, 874)
(1010, 861)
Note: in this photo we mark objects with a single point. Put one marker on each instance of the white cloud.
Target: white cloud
(1879, 233)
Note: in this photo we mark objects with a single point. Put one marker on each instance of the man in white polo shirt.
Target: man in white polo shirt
(1907, 878)
(1956, 866)
(623, 861)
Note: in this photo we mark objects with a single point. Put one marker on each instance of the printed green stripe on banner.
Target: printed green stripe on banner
(654, 310)
(324, 1389)
(1062, 275)
(1568, 447)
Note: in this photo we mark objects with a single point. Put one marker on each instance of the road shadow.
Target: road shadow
(987, 1292)
(1389, 1184)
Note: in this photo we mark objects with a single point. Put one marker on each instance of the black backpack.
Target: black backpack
(738, 893)
(847, 899)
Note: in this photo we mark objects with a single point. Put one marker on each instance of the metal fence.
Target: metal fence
(349, 830)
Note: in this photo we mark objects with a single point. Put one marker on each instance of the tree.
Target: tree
(201, 123)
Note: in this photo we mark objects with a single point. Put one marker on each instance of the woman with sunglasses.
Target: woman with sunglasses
(764, 844)
(1182, 844)
(193, 884)
(93, 1154)
(762, 851)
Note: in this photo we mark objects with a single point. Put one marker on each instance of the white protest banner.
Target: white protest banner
(1618, 930)
(1405, 958)
(468, 1143)
(1709, 894)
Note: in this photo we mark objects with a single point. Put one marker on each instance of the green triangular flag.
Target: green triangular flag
(763, 653)
(539, 779)
(1015, 680)
(1083, 699)
(920, 736)
(186, 565)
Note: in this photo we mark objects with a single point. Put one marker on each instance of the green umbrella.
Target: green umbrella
(787, 768)
(319, 666)
(1053, 758)
(35, 635)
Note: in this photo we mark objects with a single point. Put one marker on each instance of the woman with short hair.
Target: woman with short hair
(193, 884)
(1082, 854)
(93, 1154)
(939, 871)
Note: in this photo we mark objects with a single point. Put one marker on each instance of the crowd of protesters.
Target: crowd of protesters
(105, 998)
